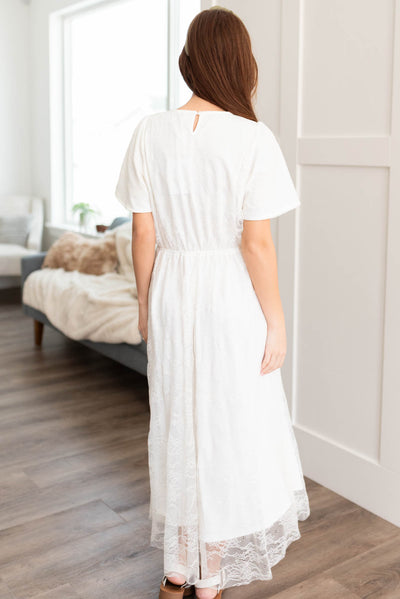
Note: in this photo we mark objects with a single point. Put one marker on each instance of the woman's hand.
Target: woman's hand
(143, 318)
(275, 348)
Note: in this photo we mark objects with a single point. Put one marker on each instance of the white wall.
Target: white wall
(333, 70)
(15, 98)
(40, 11)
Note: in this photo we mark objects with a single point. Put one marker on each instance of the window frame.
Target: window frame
(61, 167)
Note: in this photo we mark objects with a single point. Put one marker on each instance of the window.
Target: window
(114, 62)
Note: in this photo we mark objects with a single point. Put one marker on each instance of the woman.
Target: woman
(202, 182)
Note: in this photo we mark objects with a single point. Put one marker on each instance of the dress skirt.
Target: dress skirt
(226, 482)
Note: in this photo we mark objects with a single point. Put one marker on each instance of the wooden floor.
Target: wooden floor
(74, 489)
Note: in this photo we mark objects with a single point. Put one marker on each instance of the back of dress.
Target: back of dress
(226, 481)
(200, 184)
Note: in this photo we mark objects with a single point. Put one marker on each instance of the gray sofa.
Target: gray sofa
(132, 356)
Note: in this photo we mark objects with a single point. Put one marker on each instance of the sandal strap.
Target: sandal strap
(185, 585)
(210, 582)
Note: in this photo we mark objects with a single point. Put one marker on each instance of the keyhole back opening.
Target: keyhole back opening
(196, 120)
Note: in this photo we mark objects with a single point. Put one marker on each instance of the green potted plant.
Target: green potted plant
(84, 210)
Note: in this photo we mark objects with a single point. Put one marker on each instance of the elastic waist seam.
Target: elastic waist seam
(199, 251)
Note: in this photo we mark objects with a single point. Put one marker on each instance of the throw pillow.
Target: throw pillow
(15, 229)
(73, 251)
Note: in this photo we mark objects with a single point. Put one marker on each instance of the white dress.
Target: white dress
(227, 488)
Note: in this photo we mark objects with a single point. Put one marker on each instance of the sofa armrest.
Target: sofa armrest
(30, 264)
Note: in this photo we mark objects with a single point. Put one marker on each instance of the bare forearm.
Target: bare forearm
(143, 254)
(262, 266)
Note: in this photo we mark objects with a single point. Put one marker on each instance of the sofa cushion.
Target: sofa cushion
(10, 259)
(15, 229)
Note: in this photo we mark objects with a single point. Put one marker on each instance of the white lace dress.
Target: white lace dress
(227, 488)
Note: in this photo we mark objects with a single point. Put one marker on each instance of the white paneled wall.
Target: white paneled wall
(341, 304)
(330, 90)
(347, 120)
(347, 63)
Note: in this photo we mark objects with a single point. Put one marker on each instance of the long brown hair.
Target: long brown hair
(217, 62)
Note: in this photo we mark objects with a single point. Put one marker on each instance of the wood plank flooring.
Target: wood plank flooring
(74, 489)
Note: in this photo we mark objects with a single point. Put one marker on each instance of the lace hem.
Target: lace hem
(236, 561)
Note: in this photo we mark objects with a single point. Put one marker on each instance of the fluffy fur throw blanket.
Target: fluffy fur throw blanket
(90, 256)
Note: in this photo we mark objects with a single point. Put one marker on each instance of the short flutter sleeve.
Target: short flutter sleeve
(270, 190)
(132, 188)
